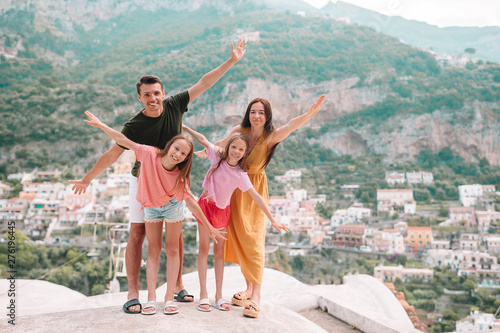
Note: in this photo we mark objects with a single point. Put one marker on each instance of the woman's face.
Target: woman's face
(257, 115)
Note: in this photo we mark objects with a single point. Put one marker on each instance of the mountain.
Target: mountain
(484, 42)
(454, 40)
(385, 97)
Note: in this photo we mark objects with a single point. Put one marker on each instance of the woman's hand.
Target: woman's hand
(314, 109)
(279, 226)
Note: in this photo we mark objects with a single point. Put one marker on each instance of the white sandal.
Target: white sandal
(170, 304)
(148, 305)
(219, 303)
(204, 301)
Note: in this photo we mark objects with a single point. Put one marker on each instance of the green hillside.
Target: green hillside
(42, 103)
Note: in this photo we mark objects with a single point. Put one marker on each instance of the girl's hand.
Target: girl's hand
(216, 233)
(93, 120)
(279, 226)
(201, 153)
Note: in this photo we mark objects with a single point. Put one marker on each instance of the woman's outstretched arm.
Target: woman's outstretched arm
(284, 131)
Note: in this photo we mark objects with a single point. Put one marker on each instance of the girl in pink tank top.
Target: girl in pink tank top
(224, 176)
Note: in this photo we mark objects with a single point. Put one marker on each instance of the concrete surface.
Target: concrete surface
(361, 302)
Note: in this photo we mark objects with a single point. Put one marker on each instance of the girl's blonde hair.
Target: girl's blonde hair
(184, 178)
(242, 163)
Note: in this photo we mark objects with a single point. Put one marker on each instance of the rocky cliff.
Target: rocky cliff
(399, 138)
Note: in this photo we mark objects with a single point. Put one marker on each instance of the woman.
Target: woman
(245, 243)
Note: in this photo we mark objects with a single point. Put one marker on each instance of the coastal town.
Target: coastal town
(45, 208)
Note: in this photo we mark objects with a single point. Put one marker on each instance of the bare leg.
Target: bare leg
(255, 295)
(179, 284)
(203, 249)
(172, 232)
(219, 270)
(133, 257)
(153, 233)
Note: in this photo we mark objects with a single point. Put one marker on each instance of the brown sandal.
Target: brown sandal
(242, 300)
(251, 310)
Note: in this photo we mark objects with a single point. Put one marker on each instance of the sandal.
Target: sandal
(149, 305)
(242, 300)
(219, 306)
(170, 304)
(204, 301)
(180, 296)
(130, 303)
(251, 310)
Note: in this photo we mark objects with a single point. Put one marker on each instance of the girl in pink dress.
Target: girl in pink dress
(226, 174)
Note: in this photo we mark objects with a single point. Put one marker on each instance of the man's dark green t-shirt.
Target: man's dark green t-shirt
(157, 131)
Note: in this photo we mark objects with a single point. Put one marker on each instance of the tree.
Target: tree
(470, 50)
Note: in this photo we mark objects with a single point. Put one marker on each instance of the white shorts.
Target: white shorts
(134, 207)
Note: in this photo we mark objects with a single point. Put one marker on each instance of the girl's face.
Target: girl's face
(257, 114)
(177, 153)
(237, 150)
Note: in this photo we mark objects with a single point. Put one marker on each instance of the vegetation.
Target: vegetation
(99, 70)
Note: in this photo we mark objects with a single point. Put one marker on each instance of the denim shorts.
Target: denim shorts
(172, 211)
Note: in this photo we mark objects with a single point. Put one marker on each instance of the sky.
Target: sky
(443, 13)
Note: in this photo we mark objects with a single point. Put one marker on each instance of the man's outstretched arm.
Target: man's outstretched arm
(209, 79)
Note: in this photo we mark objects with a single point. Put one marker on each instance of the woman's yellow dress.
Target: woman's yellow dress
(246, 234)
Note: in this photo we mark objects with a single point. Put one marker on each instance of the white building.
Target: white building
(419, 177)
(444, 257)
(394, 177)
(484, 219)
(4, 189)
(483, 266)
(469, 242)
(492, 244)
(290, 176)
(410, 208)
(297, 195)
(440, 244)
(391, 273)
(469, 193)
(352, 215)
(388, 240)
(477, 321)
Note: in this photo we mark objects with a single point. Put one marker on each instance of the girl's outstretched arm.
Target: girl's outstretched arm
(259, 200)
(197, 136)
(120, 139)
(196, 210)
(284, 131)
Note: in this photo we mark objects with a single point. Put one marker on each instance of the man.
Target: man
(155, 125)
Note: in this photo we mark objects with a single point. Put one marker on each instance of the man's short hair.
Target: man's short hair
(148, 79)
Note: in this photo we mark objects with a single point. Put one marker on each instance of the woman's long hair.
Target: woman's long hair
(268, 126)
(242, 163)
(184, 178)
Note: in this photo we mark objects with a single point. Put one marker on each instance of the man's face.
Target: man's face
(151, 97)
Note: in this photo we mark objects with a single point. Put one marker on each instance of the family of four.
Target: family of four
(231, 210)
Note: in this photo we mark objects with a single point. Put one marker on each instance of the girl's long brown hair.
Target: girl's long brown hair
(268, 126)
(242, 163)
(185, 166)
